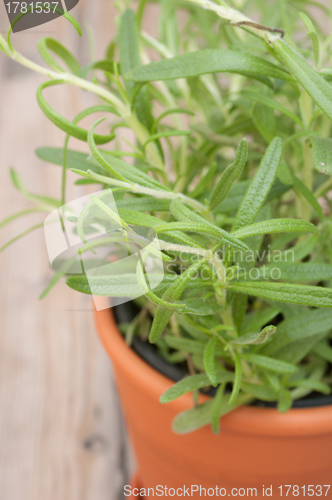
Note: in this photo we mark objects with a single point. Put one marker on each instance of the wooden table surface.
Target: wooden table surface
(62, 433)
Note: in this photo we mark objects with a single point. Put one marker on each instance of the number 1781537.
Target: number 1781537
(311, 490)
(37, 7)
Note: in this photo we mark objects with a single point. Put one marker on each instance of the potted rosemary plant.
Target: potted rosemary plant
(228, 198)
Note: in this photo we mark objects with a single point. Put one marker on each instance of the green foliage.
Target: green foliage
(315, 84)
(230, 179)
(67, 126)
(322, 154)
(276, 226)
(314, 296)
(209, 360)
(189, 384)
(256, 338)
(207, 61)
(229, 175)
(173, 293)
(45, 45)
(260, 186)
(129, 60)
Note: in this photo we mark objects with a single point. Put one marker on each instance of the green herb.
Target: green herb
(226, 182)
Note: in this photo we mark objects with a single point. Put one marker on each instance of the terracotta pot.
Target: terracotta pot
(256, 447)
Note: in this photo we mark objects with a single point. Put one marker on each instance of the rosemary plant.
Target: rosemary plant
(231, 171)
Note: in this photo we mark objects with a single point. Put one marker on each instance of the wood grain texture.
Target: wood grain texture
(62, 434)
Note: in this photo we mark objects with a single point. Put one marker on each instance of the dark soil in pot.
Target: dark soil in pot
(125, 313)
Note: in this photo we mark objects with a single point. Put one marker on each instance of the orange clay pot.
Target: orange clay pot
(256, 447)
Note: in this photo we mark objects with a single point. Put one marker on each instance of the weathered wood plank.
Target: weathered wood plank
(61, 429)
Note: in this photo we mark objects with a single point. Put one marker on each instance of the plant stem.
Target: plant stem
(28, 211)
(37, 226)
(324, 188)
(143, 135)
(73, 80)
(307, 164)
(64, 171)
(123, 109)
(238, 19)
(221, 275)
(137, 188)
(305, 102)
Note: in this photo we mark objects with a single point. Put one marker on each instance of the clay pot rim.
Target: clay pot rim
(246, 419)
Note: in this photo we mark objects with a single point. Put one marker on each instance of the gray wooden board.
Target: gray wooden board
(62, 435)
